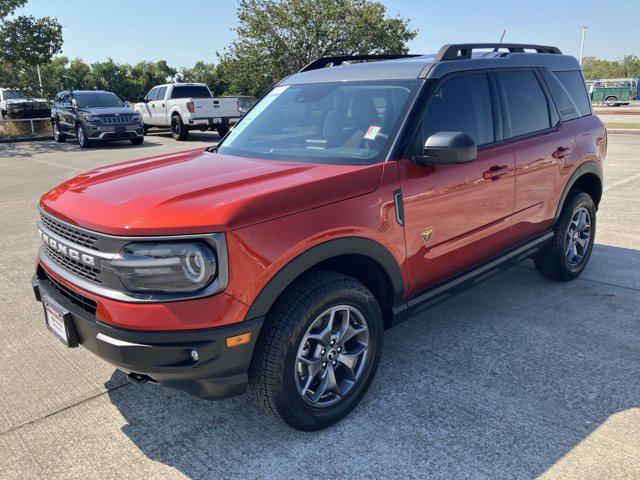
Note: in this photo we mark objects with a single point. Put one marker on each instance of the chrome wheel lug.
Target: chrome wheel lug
(332, 343)
(334, 363)
(339, 349)
(323, 351)
(324, 364)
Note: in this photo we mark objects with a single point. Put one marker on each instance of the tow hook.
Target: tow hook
(139, 378)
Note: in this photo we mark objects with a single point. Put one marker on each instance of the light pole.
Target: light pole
(584, 34)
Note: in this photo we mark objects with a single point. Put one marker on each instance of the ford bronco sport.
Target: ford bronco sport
(347, 199)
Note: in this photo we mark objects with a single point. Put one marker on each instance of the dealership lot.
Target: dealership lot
(518, 377)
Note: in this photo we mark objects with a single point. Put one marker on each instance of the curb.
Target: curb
(24, 139)
(623, 131)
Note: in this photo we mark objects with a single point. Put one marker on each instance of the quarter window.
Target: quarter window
(575, 86)
(461, 104)
(527, 108)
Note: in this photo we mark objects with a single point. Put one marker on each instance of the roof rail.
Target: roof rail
(338, 59)
(462, 51)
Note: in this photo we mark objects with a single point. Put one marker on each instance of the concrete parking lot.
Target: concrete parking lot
(517, 378)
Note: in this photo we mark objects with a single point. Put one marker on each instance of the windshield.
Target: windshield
(13, 95)
(348, 123)
(97, 99)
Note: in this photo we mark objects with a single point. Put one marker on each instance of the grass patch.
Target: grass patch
(622, 125)
(41, 128)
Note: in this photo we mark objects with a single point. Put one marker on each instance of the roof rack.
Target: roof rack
(462, 51)
(338, 59)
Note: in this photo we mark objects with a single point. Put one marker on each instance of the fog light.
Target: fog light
(194, 355)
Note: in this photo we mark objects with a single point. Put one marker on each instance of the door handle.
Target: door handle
(495, 172)
(561, 152)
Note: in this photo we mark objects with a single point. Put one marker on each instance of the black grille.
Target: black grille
(85, 271)
(73, 235)
(117, 120)
(74, 297)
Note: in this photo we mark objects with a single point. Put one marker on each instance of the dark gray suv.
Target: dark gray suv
(94, 115)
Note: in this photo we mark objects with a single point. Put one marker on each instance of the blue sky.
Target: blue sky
(129, 31)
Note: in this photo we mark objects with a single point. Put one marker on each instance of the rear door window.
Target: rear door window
(527, 110)
(574, 84)
(461, 104)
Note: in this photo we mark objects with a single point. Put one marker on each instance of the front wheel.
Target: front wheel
(58, 136)
(179, 130)
(83, 141)
(137, 140)
(318, 351)
(569, 252)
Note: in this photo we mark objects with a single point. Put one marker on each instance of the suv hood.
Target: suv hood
(200, 192)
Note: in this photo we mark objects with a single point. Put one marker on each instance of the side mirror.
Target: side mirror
(127, 103)
(67, 105)
(447, 148)
(141, 99)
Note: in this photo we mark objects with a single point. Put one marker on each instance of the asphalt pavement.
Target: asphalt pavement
(518, 377)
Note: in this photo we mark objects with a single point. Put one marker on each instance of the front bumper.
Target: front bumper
(161, 356)
(108, 132)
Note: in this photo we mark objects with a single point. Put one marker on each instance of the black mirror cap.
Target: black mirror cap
(141, 99)
(448, 148)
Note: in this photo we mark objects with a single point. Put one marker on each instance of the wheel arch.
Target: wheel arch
(364, 259)
(586, 178)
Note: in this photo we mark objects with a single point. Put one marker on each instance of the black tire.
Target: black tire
(83, 141)
(222, 131)
(137, 140)
(612, 101)
(58, 136)
(552, 262)
(145, 129)
(273, 372)
(179, 130)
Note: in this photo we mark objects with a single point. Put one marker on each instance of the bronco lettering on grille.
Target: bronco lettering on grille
(68, 251)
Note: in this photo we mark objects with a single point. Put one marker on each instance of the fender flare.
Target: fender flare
(587, 167)
(325, 251)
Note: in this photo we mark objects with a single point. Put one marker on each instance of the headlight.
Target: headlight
(136, 117)
(165, 267)
(91, 118)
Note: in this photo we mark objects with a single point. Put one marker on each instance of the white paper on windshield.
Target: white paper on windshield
(372, 132)
(255, 111)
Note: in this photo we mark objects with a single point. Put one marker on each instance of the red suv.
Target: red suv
(349, 198)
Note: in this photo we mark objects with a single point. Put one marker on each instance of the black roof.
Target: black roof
(450, 58)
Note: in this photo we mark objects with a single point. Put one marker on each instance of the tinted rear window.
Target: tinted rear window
(461, 104)
(575, 86)
(190, 91)
(526, 102)
(561, 98)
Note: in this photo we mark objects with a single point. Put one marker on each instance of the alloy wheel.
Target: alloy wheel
(578, 237)
(332, 356)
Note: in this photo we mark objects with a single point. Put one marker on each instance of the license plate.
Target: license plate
(58, 321)
(121, 128)
(216, 120)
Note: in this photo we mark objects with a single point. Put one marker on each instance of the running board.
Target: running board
(448, 288)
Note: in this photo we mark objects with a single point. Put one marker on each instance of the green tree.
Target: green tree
(25, 43)
(78, 75)
(278, 37)
(627, 67)
(203, 72)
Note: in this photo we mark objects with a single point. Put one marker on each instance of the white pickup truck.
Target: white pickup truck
(187, 106)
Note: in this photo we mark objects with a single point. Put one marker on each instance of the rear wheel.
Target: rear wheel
(179, 130)
(569, 252)
(58, 136)
(612, 101)
(83, 141)
(318, 351)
